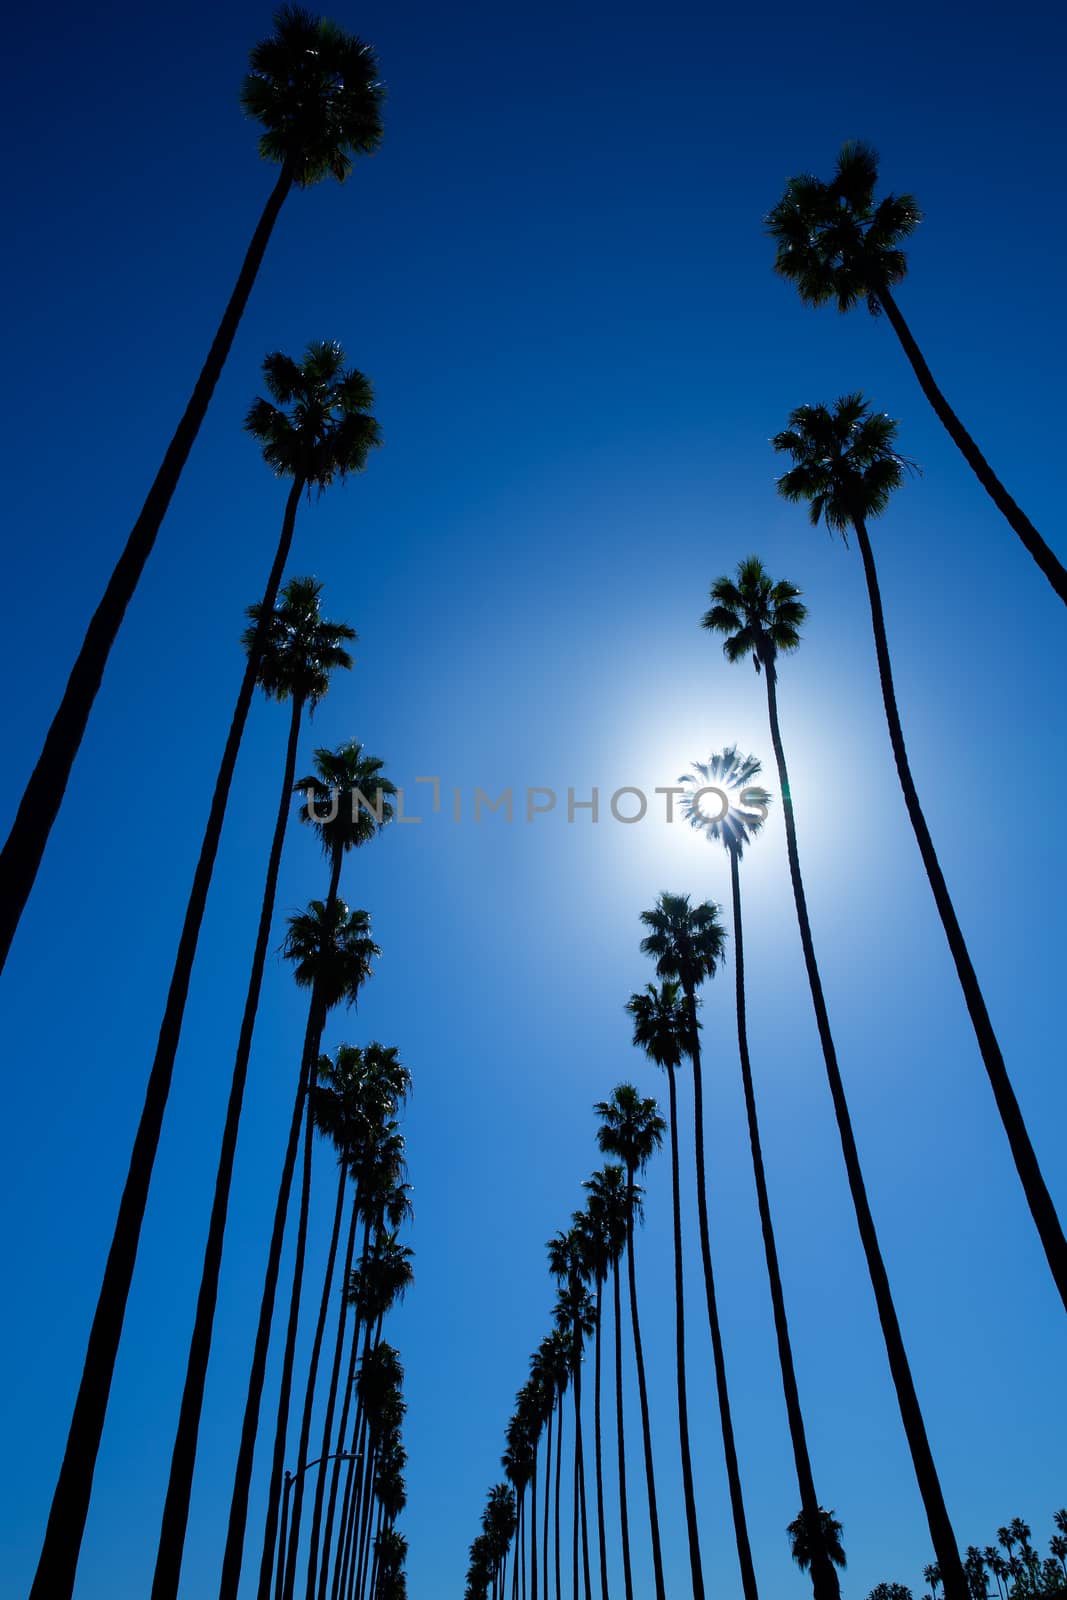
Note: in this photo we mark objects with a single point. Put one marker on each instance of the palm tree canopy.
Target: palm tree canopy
(685, 941)
(332, 950)
(382, 1277)
(845, 464)
(732, 774)
(317, 425)
(835, 241)
(299, 649)
(604, 1218)
(631, 1127)
(347, 798)
(315, 89)
(759, 617)
(800, 1544)
(661, 1023)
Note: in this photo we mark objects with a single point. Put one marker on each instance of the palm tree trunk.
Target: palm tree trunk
(598, 1449)
(532, 1531)
(43, 795)
(56, 1568)
(579, 1478)
(1038, 1198)
(548, 1483)
(183, 1456)
(941, 1533)
(733, 1471)
(695, 1567)
(559, 1465)
(341, 1429)
(312, 1379)
(1052, 568)
(284, 1530)
(824, 1577)
(331, 1403)
(624, 1515)
(642, 1389)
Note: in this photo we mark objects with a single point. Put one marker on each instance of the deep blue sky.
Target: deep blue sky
(555, 274)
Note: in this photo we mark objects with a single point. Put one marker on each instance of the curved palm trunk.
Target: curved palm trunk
(642, 1389)
(1038, 1198)
(941, 1532)
(1046, 559)
(624, 1515)
(309, 1391)
(237, 1522)
(43, 795)
(56, 1568)
(598, 1448)
(824, 1578)
(183, 1456)
(733, 1471)
(695, 1567)
(331, 1403)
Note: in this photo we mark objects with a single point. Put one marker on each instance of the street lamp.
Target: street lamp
(290, 1479)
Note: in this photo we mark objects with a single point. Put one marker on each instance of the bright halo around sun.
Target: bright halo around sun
(724, 797)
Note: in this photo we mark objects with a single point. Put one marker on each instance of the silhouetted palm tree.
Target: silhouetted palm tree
(686, 942)
(299, 653)
(315, 90)
(734, 820)
(608, 1207)
(662, 1027)
(329, 434)
(632, 1129)
(846, 467)
(761, 619)
(574, 1316)
(837, 243)
(800, 1542)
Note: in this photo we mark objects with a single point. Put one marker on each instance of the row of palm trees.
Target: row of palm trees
(1010, 1569)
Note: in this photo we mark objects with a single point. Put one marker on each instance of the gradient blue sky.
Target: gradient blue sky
(555, 274)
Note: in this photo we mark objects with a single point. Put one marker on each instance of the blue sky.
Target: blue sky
(555, 274)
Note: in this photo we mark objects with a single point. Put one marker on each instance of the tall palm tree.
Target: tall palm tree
(604, 1227)
(734, 821)
(661, 1027)
(350, 825)
(632, 1129)
(846, 468)
(686, 942)
(568, 1264)
(300, 652)
(315, 91)
(761, 619)
(837, 243)
(329, 434)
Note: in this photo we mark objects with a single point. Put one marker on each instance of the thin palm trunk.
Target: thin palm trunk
(941, 1533)
(642, 1389)
(532, 1531)
(559, 1465)
(43, 795)
(183, 1456)
(342, 1427)
(1038, 1198)
(283, 1534)
(518, 1561)
(327, 1424)
(598, 1449)
(695, 1567)
(57, 1566)
(1052, 568)
(237, 1523)
(548, 1494)
(579, 1480)
(624, 1515)
(312, 1379)
(824, 1577)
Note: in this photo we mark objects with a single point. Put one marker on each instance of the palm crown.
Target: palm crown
(353, 789)
(835, 241)
(685, 941)
(800, 1542)
(331, 950)
(299, 649)
(316, 91)
(661, 1023)
(604, 1219)
(731, 773)
(317, 426)
(845, 464)
(631, 1127)
(758, 616)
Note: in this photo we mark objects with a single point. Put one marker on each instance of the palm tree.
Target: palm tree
(606, 1211)
(632, 1129)
(329, 434)
(837, 243)
(315, 90)
(735, 822)
(687, 942)
(801, 1543)
(350, 827)
(846, 467)
(300, 651)
(760, 618)
(661, 1027)
(568, 1263)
